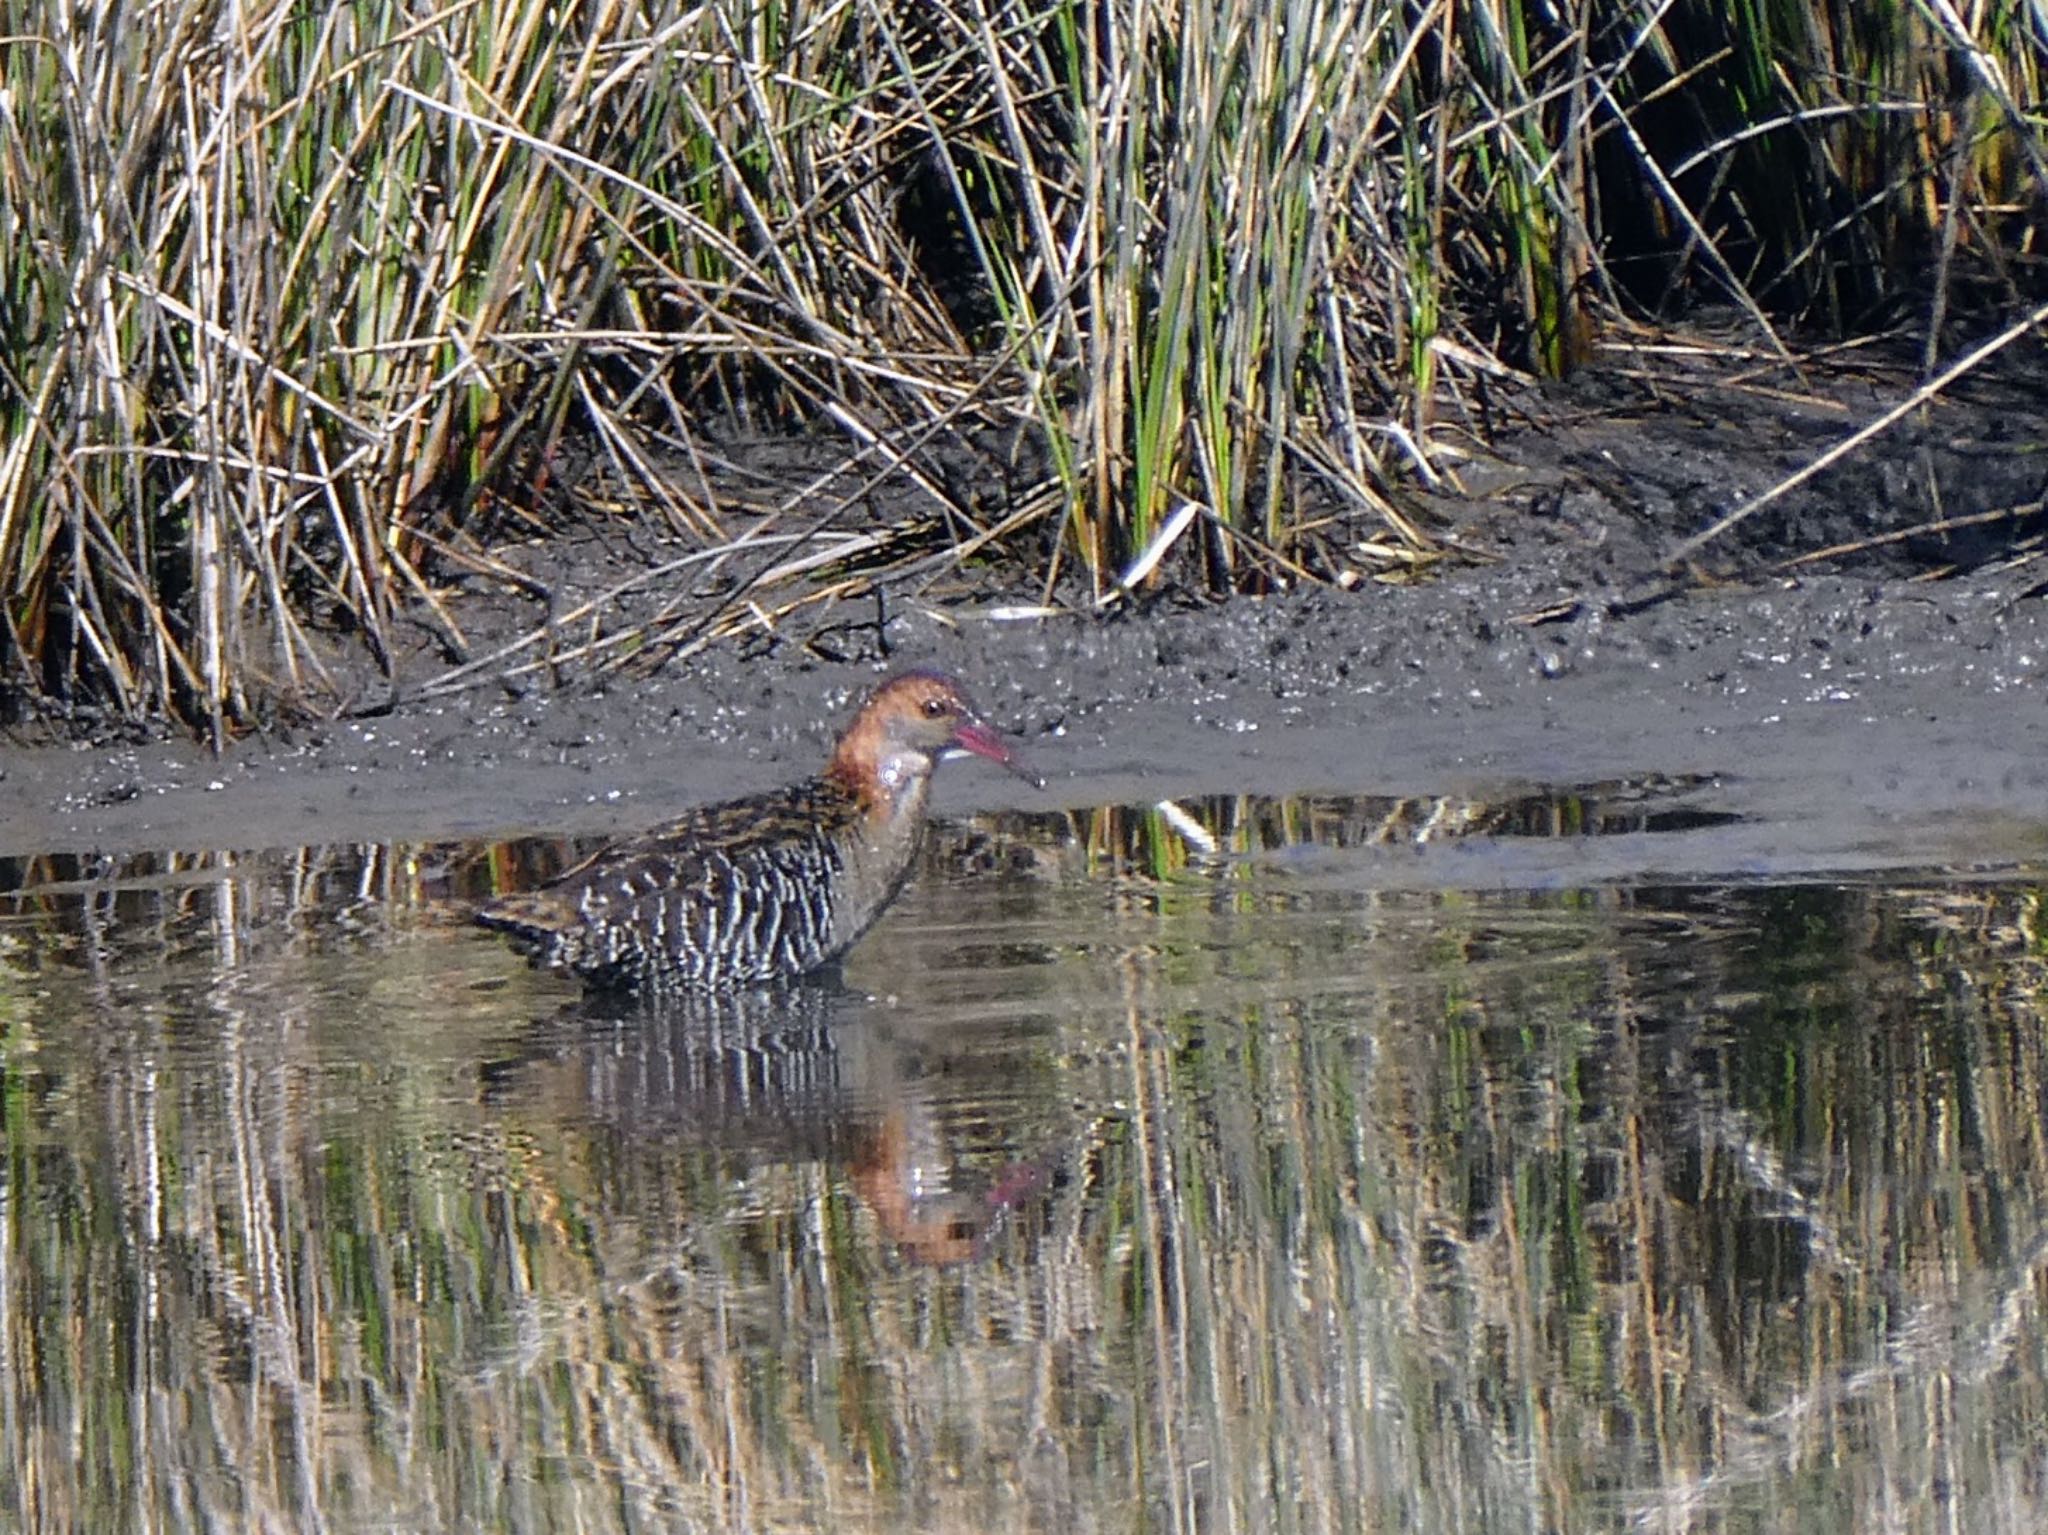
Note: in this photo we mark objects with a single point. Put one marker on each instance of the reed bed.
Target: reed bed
(308, 313)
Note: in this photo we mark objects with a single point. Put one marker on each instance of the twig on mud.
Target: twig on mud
(1900, 535)
(688, 635)
(1919, 397)
(1638, 600)
(468, 675)
(482, 563)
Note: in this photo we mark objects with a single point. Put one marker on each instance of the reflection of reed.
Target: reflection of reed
(149, 910)
(1625, 1208)
(160, 907)
(1160, 841)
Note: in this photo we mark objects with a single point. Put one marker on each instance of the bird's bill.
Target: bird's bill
(975, 737)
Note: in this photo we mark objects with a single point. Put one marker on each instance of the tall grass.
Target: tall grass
(294, 296)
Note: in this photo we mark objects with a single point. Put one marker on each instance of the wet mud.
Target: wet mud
(1881, 706)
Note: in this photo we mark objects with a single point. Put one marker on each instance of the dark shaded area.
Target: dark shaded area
(1794, 136)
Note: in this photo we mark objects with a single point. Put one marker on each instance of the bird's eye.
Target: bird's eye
(936, 708)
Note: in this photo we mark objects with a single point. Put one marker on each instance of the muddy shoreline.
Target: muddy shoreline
(1857, 712)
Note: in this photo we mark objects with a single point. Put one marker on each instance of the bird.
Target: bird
(762, 890)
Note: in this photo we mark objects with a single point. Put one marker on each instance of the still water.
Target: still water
(1231, 1165)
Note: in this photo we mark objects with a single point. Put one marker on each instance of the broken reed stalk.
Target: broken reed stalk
(279, 288)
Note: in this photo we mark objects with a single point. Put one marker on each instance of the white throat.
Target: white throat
(901, 771)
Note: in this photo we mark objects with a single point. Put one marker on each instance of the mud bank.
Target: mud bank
(1855, 712)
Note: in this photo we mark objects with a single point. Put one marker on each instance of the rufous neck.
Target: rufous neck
(885, 782)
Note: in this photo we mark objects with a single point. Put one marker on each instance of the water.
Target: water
(1242, 1165)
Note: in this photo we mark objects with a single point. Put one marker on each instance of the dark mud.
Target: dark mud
(1881, 707)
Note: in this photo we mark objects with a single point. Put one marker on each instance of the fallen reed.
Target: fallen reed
(305, 310)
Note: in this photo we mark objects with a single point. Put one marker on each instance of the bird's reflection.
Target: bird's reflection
(813, 1073)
